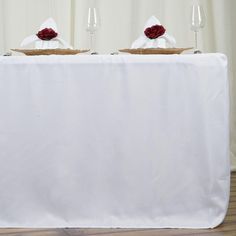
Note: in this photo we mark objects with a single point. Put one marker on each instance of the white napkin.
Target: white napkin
(164, 41)
(46, 44)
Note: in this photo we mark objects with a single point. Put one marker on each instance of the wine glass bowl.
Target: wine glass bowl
(198, 20)
(92, 20)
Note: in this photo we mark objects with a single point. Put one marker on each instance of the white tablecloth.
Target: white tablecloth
(114, 141)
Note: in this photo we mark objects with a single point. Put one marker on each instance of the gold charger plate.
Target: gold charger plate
(58, 51)
(155, 50)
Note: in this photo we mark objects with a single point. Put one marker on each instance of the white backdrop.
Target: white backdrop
(121, 23)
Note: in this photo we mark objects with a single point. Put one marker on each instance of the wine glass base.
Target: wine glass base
(197, 52)
(115, 53)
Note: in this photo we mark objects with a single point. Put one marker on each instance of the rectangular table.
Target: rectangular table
(114, 141)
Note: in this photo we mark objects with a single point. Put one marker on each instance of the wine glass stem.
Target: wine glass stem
(91, 42)
(196, 43)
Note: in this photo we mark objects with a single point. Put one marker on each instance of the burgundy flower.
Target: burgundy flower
(155, 31)
(47, 34)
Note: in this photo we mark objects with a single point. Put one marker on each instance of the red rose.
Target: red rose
(155, 31)
(47, 34)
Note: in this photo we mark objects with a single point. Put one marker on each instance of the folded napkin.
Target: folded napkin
(47, 37)
(154, 36)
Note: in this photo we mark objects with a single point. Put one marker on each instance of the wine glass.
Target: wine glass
(92, 26)
(197, 22)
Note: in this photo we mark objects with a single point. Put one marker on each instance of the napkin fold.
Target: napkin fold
(163, 41)
(56, 42)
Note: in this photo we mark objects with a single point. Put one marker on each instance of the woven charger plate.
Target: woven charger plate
(58, 51)
(155, 50)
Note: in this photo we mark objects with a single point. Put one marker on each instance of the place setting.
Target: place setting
(154, 40)
(48, 42)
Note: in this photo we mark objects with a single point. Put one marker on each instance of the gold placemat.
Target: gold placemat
(58, 51)
(155, 50)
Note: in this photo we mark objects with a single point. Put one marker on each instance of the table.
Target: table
(114, 141)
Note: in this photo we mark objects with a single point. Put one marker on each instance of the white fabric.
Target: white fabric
(114, 141)
(164, 41)
(46, 44)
